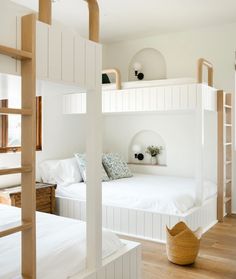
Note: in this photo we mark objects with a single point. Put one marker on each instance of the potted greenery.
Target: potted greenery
(154, 151)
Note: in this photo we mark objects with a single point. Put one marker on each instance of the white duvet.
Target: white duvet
(163, 194)
(61, 246)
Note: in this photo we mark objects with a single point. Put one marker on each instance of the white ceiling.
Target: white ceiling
(129, 19)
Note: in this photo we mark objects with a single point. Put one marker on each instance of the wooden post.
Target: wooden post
(45, 11)
(28, 143)
(93, 20)
(201, 63)
(117, 75)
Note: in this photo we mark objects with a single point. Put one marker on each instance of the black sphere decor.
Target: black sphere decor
(140, 76)
(140, 157)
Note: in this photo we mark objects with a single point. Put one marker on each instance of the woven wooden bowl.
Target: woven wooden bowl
(182, 244)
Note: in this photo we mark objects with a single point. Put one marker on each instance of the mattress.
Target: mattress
(162, 194)
(61, 246)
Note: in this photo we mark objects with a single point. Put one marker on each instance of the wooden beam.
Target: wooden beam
(45, 11)
(94, 22)
(28, 143)
(15, 53)
(204, 63)
(117, 74)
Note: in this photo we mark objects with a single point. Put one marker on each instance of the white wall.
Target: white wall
(181, 51)
(63, 135)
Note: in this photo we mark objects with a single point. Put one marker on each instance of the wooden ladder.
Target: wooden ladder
(225, 144)
(27, 225)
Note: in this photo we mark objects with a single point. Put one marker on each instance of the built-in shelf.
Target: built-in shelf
(145, 164)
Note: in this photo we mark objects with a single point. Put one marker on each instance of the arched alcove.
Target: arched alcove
(153, 64)
(143, 139)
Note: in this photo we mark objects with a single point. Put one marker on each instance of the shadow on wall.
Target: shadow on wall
(153, 64)
(141, 141)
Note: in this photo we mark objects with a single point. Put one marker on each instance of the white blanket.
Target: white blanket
(61, 246)
(164, 194)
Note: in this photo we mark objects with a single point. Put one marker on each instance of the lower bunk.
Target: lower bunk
(143, 224)
(61, 250)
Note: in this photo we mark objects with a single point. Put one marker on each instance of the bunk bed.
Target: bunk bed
(178, 95)
(38, 49)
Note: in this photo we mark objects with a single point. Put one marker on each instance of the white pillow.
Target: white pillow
(67, 172)
(61, 172)
(47, 171)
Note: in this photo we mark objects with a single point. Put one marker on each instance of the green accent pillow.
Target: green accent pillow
(81, 160)
(115, 166)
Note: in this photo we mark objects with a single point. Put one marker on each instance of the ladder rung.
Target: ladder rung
(14, 227)
(228, 125)
(15, 53)
(228, 143)
(228, 181)
(15, 111)
(24, 169)
(228, 106)
(227, 199)
(228, 162)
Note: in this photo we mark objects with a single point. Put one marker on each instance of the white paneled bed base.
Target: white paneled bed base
(125, 264)
(140, 223)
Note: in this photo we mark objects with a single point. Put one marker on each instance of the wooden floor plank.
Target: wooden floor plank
(216, 260)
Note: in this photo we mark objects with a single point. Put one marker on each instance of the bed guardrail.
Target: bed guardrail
(117, 74)
(201, 64)
(45, 15)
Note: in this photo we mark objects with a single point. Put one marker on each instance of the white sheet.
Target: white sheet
(163, 194)
(61, 246)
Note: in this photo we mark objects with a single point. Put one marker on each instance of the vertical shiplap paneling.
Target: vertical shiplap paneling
(110, 271)
(131, 100)
(124, 219)
(192, 96)
(153, 99)
(140, 223)
(133, 264)
(132, 222)
(160, 98)
(67, 56)
(126, 266)
(55, 54)
(119, 268)
(11, 38)
(157, 226)
(139, 99)
(79, 61)
(42, 43)
(168, 98)
(176, 97)
(184, 97)
(148, 221)
(104, 216)
(101, 274)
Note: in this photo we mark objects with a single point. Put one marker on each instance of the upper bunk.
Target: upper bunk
(62, 56)
(167, 95)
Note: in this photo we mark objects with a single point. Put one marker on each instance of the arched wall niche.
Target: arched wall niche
(143, 139)
(153, 64)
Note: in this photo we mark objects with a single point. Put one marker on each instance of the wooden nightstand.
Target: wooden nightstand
(45, 197)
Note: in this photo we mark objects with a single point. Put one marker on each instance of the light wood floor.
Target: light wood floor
(217, 258)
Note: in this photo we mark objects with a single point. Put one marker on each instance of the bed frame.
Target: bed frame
(40, 48)
(142, 224)
(180, 96)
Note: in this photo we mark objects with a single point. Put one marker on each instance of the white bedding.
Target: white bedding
(163, 194)
(61, 246)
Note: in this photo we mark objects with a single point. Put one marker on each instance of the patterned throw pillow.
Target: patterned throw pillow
(81, 160)
(115, 167)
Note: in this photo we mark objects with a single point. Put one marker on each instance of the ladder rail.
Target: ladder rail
(26, 225)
